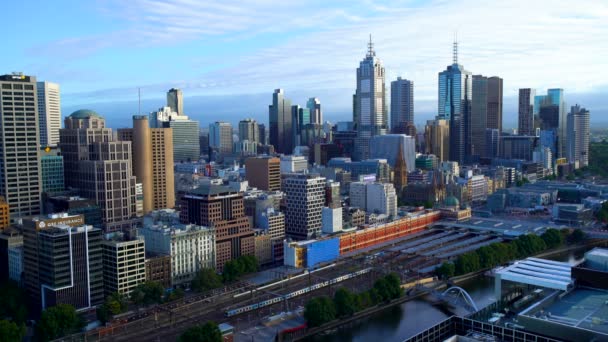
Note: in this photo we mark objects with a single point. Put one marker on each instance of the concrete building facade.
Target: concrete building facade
(49, 113)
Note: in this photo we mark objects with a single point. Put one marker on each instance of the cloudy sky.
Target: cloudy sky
(228, 56)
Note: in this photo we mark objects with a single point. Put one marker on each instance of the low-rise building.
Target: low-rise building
(158, 269)
(123, 263)
(263, 247)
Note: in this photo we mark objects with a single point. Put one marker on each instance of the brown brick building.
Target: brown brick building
(264, 173)
(221, 208)
(158, 269)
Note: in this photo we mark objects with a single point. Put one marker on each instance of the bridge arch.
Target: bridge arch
(461, 293)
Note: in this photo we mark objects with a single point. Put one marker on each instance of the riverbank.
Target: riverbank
(470, 278)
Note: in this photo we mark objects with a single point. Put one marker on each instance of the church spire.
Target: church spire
(400, 171)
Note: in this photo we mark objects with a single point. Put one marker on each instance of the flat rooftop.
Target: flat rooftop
(584, 308)
(505, 227)
(539, 272)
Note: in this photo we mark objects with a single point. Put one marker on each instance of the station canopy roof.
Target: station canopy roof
(539, 272)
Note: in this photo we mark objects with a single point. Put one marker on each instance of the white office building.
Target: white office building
(49, 113)
(332, 220)
(291, 163)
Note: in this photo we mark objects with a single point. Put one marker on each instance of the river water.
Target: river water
(401, 322)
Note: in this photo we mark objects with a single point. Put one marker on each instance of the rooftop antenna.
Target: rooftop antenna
(370, 47)
(455, 51)
(139, 101)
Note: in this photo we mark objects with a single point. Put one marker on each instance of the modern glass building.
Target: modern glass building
(281, 134)
(554, 100)
(52, 173)
(402, 104)
(454, 105)
(314, 106)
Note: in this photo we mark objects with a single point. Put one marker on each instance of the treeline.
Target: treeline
(345, 303)
(501, 252)
(208, 332)
(13, 311)
(207, 279)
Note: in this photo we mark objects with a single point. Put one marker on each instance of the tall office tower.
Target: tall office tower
(124, 263)
(525, 124)
(400, 172)
(369, 112)
(51, 167)
(280, 120)
(552, 108)
(455, 95)
(437, 135)
(49, 113)
(314, 107)
(486, 111)
(220, 208)
(263, 134)
(20, 181)
(249, 130)
(175, 101)
(220, 137)
(305, 200)
(186, 143)
(300, 119)
(62, 261)
(100, 167)
(263, 173)
(492, 143)
(152, 163)
(578, 136)
(402, 104)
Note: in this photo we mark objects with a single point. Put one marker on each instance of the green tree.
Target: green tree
(394, 285)
(206, 279)
(58, 321)
(345, 302)
(148, 293)
(552, 238)
(466, 263)
(13, 302)
(364, 300)
(602, 214)
(446, 270)
(209, 332)
(231, 271)
(577, 236)
(319, 310)
(10, 331)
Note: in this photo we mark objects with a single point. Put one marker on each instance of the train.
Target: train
(278, 299)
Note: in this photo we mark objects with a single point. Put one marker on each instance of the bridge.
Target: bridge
(454, 295)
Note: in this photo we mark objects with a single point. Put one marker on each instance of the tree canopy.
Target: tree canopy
(319, 310)
(58, 321)
(147, 293)
(13, 302)
(345, 302)
(208, 332)
(206, 279)
(10, 331)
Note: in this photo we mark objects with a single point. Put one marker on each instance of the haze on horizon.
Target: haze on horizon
(229, 57)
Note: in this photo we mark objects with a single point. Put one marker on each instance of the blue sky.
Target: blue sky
(229, 56)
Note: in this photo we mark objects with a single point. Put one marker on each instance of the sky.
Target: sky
(229, 56)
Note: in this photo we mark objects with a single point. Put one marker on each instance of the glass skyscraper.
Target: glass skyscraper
(455, 95)
(281, 133)
(553, 107)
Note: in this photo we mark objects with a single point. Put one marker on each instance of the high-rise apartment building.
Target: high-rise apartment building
(402, 104)
(281, 121)
(249, 130)
(62, 261)
(20, 181)
(220, 137)
(455, 95)
(314, 107)
(551, 109)
(369, 107)
(100, 167)
(186, 141)
(525, 124)
(124, 265)
(264, 173)
(175, 101)
(49, 113)
(305, 197)
(152, 163)
(486, 111)
(221, 208)
(437, 136)
(578, 136)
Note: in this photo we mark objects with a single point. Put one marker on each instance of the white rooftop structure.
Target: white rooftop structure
(537, 272)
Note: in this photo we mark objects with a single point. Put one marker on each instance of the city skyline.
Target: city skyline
(113, 55)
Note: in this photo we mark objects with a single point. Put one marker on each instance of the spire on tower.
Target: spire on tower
(370, 47)
(455, 56)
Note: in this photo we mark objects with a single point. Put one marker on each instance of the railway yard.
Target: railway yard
(244, 305)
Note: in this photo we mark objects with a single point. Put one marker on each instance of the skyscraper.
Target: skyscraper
(455, 94)
(578, 136)
(49, 113)
(100, 167)
(369, 112)
(402, 105)
(305, 199)
(525, 124)
(20, 181)
(186, 143)
(249, 130)
(220, 137)
(152, 162)
(437, 135)
(280, 120)
(314, 107)
(552, 111)
(486, 111)
(175, 101)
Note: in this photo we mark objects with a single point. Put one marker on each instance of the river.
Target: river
(401, 322)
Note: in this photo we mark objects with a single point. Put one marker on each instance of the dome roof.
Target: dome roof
(84, 113)
(452, 201)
